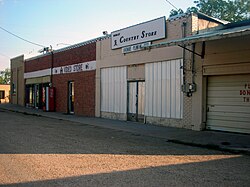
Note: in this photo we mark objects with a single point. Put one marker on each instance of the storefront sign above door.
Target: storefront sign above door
(144, 32)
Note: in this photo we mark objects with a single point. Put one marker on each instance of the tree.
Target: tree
(229, 10)
(5, 76)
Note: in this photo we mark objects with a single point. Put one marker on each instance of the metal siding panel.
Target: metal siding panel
(173, 90)
(125, 88)
(147, 90)
(110, 84)
(116, 90)
(103, 88)
(154, 81)
(159, 88)
(123, 97)
(150, 88)
(164, 90)
(178, 89)
(122, 90)
(168, 89)
(113, 90)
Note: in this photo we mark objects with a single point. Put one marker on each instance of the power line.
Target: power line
(4, 55)
(172, 5)
(21, 37)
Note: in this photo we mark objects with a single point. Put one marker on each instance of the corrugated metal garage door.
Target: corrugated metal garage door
(228, 103)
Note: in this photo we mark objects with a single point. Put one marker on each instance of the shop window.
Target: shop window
(2, 94)
(13, 88)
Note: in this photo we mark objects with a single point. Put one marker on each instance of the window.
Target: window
(2, 94)
(13, 88)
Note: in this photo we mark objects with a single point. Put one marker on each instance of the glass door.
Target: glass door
(71, 97)
(136, 97)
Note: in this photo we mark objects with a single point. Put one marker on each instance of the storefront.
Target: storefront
(74, 70)
(37, 78)
(224, 56)
(226, 69)
(151, 85)
(63, 80)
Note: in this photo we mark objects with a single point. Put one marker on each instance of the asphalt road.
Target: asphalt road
(39, 151)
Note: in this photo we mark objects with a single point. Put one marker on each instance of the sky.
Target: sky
(59, 23)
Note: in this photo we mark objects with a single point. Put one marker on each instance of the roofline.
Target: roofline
(69, 47)
(17, 57)
(210, 18)
(199, 15)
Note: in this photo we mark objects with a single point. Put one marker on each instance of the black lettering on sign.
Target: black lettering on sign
(67, 69)
(145, 34)
(77, 68)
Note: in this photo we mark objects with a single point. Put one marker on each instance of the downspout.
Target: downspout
(52, 66)
(193, 61)
(184, 33)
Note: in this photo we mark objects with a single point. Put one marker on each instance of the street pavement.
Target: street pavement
(44, 151)
(232, 142)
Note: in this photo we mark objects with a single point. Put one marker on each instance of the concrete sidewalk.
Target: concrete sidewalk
(232, 142)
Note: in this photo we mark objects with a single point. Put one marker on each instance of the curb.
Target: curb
(211, 147)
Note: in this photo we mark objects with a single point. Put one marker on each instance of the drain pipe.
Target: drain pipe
(184, 27)
(193, 61)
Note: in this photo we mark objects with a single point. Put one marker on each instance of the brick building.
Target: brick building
(74, 79)
(70, 71)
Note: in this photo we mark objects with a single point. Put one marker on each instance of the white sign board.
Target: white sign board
(75, 68)
(133, 48)
(144, 32)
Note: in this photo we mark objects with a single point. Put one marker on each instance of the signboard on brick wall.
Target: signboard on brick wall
(75, 68)
(144, 32)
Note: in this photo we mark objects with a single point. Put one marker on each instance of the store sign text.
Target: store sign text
(134, 48)
(246, 93)
(86, 66)
(148, 31)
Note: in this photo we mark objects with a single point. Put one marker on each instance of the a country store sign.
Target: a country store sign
(144, 32)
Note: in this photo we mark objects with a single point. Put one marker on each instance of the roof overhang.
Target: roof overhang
(208, 36)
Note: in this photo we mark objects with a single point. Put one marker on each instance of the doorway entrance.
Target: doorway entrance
(136, 101)
(71, 97)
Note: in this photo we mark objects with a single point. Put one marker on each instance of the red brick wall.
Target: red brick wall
(37, 64)
(77, 55)
(84, 92)
(84, 81)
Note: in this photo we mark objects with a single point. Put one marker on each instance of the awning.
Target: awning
(207, 36)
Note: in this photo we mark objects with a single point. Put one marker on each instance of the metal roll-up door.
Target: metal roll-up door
(228, 103)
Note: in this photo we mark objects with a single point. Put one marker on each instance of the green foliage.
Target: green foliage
(229, 10)
(174, 12)
(5, 76)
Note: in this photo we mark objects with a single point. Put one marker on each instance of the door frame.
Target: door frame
(137, 99)
(71, 110)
